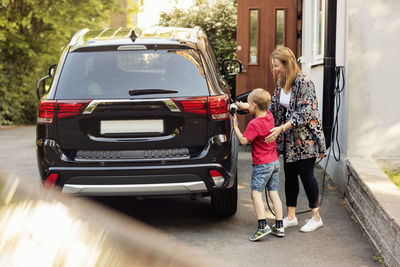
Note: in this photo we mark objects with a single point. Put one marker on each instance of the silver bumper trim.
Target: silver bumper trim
(94, 103)
(137, 189)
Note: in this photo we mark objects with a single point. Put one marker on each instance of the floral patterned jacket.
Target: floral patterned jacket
(305, 139)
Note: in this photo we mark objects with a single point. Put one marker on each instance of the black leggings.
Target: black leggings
(304, 168)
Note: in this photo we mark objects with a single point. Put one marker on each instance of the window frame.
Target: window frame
(318, 31)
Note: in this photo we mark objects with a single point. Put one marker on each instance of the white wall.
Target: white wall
(335, 169)
(367, 44)
(374, 91)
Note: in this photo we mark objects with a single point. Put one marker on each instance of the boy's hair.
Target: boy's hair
(260, 97)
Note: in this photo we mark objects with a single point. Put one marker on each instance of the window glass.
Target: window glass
(112, 74)
(216, 67)
(253, 36)
(280, 28)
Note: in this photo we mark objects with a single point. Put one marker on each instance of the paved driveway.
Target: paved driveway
(340, 242)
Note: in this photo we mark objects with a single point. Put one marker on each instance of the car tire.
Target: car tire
(224, 202)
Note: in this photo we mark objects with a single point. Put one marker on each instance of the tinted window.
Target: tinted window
(111, 74)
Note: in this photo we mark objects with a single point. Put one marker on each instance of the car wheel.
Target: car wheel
(224, 202)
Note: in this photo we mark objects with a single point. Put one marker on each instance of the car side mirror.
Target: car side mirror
(231, 67)
(42, 81)
(52, 70)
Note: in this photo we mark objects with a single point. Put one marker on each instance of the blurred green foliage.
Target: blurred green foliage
(394, 176)
(32, 35)
(217, 21)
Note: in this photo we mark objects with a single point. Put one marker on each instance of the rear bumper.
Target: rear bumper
(142, 180)
(129, 189)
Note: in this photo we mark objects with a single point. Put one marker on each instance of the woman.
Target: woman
(298, 134)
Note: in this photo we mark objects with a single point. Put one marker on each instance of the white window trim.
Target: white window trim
(318, 58)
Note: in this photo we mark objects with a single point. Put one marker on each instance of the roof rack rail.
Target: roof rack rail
(78, 36)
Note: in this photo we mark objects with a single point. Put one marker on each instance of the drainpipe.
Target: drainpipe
(329, 72)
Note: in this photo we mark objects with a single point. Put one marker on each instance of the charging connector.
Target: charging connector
(234, 107)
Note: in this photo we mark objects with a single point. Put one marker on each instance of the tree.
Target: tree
(32, 35)
(217, 21)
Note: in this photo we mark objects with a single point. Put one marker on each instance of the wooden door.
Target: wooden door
(263, 25)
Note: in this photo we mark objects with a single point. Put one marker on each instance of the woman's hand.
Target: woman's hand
(274, 134)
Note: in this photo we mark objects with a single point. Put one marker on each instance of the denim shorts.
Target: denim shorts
(265, 175)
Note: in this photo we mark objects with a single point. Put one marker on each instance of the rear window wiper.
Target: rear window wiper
(151, 91)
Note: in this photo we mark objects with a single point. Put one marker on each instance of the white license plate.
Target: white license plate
(132, 126)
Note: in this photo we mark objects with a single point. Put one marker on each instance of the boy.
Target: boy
(265, 162)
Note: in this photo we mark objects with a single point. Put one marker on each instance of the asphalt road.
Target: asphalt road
(341, 242)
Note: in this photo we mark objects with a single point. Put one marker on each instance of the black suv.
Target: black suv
(139, 112)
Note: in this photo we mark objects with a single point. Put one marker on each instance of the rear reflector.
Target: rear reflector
(216, 106)
(51, 180)
(215, 173)
(49, 110)
(217, 177)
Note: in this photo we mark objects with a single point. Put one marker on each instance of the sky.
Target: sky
(152, 8)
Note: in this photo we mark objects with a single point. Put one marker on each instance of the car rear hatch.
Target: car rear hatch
(133, 105)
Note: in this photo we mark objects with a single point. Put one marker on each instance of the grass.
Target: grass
(379, 259)
(394, 176)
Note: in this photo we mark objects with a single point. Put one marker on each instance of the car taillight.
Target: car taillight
(49, 110)
(51, 180)
(196, 105)
(46, 111)
(216, 106)
(67, 108)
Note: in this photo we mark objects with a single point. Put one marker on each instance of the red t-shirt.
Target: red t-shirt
(256, 131)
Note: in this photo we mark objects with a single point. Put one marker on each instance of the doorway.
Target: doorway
(262, 27)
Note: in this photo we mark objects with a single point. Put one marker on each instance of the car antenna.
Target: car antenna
(133, 35)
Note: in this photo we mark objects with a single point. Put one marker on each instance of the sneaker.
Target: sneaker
(289, 223)
(260, 233)
(279, 232)
(311, 225)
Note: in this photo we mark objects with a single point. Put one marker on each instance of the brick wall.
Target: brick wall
(375, 201)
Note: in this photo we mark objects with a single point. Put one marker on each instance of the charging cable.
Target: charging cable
(339, 72)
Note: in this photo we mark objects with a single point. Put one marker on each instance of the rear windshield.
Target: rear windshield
(112, 74)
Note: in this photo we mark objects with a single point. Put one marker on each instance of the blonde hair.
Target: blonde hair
(288, 60)
(260, 97)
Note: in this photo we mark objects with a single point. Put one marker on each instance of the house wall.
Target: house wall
(118, 19)
(336, 168)
(373, 115)
(367, 43)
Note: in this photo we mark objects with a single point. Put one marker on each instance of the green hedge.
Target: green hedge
(32, 35)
